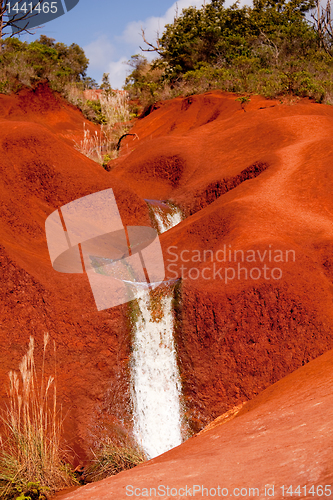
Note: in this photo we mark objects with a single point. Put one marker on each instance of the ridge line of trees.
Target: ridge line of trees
(24, 64)
(271, 47)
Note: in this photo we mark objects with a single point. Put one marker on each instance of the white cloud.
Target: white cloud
(118, 71)
(99, 52)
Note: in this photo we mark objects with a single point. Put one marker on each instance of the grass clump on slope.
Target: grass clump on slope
(112, 458)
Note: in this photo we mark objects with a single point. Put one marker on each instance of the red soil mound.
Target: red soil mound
(43, 107)
(281, 439)
(40, 171)
(246, 179)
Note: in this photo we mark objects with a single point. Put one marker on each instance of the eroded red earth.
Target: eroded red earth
(258, 182)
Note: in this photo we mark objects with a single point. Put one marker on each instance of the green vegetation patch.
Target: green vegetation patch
(273, 48)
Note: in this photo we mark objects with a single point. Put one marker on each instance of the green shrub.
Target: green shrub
(24, 64)
(243, 101)
(99, 116)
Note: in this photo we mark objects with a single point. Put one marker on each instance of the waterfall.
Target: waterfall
(156, 386)
(164, 214)
(157, 410)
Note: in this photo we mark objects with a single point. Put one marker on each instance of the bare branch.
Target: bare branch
(11, 21)
(152, 48)
(122, 137)
(272, 45)
(323, 24)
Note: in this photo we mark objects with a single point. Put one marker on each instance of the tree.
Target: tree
(13, 22)
(221, 37)
(72, 60)
(207, 35)
(106, 85)
(23, 63)
(323, 24)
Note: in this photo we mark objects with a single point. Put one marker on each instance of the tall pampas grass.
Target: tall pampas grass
(94, 146)
(115, 107)
(31, 427)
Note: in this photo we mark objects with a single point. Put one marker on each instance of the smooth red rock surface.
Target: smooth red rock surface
(281, 438)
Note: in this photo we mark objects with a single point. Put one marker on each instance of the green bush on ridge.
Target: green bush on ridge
(271, 48)
(24, 64)
(64, 67)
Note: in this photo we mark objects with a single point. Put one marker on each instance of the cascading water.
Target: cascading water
(157, 411)
(156, 386)
(164, 214)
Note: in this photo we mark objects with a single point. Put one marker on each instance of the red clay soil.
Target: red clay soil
(246, 179)
(258, 180)
(41, 171)
(282, 438)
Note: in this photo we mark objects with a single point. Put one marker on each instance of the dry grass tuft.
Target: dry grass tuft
(102, 147)
(115, 107)
(112, 459)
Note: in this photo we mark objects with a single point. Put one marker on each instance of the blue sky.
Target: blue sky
(109, 31)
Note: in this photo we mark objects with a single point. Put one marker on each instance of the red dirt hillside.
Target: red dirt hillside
(258, 180)
(41, 171)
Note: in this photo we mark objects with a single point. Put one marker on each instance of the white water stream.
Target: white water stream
(168, 220)
(156, 386)
(165, 214)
